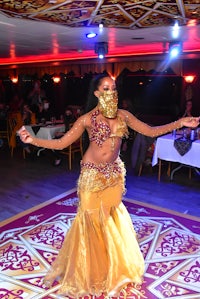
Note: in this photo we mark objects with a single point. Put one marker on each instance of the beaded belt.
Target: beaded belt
(95, 177)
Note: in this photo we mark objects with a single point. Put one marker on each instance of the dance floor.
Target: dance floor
(170, 243)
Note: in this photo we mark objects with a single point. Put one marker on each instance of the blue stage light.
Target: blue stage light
(101, 49)
(91, 35)
(175, 49)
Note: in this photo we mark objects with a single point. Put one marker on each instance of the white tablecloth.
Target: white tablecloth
(47, 132)
(165, 150)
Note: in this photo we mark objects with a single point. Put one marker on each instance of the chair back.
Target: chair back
(142, 149)
(76, 147)
(33, 118)
(15, 122)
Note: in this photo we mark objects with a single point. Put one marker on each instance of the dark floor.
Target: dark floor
(26, 183)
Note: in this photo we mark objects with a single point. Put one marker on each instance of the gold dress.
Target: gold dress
(100, 254)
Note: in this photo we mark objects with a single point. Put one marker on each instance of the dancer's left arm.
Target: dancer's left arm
(154, 131)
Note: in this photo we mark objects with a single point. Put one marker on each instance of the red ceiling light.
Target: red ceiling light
(56, 79)
(189, 78)
(14, 80)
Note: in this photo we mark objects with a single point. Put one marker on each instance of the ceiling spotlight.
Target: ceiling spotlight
(175, 49)
(91, 35)
(101, 49)
(101, 26)
(175, 30)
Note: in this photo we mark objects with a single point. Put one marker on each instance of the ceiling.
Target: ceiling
(52, 30)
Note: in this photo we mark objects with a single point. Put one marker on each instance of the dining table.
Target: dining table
(165, 150)
(45, 131)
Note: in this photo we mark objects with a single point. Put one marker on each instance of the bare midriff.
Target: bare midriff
(107, 153)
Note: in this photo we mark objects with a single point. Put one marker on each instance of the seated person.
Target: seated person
(69, 118)
(45, 111)
(188, 109)
(36, 95)
(139, 150)
(26, 114)
(26, 118)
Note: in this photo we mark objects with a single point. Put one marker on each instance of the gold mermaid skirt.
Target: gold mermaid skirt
(100, 253)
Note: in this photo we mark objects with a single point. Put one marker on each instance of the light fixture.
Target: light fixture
(175, 30)
(56, 79)
(189, 78)
(101, 26)
(101, 49)
(175, 48)
(14, 80)
(91, 35)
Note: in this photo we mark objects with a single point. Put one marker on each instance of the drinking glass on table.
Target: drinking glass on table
(184, 133)
(43, 121)
(53, 120)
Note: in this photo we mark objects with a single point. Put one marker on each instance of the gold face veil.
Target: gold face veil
(108, 103)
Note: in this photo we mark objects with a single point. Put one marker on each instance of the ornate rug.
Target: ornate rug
(170, 243)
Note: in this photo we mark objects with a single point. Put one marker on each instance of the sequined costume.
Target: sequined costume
(100, 131)
(100, 253)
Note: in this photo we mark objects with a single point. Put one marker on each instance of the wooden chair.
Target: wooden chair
(141, 152)
(4, 133)
(76, 147)
(148, 158)
(14, 124)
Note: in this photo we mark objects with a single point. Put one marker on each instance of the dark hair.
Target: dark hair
(92, 100)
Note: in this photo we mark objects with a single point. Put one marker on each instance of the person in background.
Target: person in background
(27, 118)
(139, 150)
(69, 119)
(100, 253)
(36, 95)
(26, 114)
(79, 112)
(45, 112)
(188, 109)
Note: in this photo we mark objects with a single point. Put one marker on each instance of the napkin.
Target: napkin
(182, 145)
(36, 128)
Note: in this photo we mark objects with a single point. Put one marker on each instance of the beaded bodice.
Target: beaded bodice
(101, 131)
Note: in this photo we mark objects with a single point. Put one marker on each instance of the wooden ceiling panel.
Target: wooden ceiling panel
(113, 12)
(59, 27)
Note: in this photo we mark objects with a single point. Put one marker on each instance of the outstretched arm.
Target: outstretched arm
(147, 130)
(58, 144)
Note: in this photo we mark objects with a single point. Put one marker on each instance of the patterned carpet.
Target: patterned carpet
(170, 243)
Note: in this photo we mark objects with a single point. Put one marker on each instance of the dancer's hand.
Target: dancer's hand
(25, 136)
(191, 122)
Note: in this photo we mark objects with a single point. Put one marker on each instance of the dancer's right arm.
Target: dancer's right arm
(58, 144)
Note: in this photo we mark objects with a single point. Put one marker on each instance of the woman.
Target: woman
(100, 254)
(188, 109)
